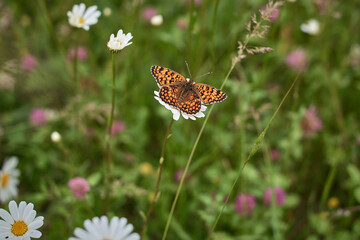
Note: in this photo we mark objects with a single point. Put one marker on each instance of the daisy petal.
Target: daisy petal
(13, 208)
(6, 216)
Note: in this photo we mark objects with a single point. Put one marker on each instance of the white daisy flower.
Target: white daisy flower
(311, 27)
(9, 179)
(20, 223)
(121, 40)
(80, 18)
(176, 112)
(101, 228)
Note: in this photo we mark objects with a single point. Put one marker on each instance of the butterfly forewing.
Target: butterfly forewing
(170, 94)
(209, 94)
(165, 76)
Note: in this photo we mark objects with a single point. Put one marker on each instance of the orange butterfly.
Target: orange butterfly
(184, 94)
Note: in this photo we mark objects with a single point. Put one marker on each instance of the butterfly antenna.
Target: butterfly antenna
(187, 66)
(204, 74)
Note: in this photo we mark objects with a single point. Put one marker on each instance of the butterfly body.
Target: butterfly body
(182, 93)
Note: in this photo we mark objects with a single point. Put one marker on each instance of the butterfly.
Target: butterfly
(184, 94)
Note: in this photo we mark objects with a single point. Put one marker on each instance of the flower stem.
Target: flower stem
(76, 57)
(189, 160)
(161, 161)
(108, 135)
(111, 120)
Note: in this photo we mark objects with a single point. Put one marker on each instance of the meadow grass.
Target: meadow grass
(214, 172)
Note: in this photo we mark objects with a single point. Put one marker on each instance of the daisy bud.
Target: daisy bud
(55, 137)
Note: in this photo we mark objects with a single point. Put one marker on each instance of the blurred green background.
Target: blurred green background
(311, 151)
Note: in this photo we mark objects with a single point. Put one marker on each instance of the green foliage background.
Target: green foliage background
(311, 170)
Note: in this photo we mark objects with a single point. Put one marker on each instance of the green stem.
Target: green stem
(189, 160)
(252, 152)
(161, 163)
(274, 223)
(76, 57)
(107, 139)
(328, 184)
(113, 96)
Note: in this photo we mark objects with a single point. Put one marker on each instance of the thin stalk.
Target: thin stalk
(161, 163)
(252, 152)
(329, 180)
(107, 139)
(113, 96)
(266, 152)
(76, 57)
(190, 158)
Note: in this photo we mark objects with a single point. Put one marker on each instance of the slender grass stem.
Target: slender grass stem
(252, 152)
(161, 163)
(108, 136)
(189, 160)
(329, 180)
(270, 172)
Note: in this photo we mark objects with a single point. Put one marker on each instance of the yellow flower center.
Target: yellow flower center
(19, 228)
(82, 21)
(5, 180)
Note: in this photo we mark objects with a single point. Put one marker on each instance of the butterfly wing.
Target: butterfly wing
(165, 76)
(174, 95)
(209, 94)
(190, 104)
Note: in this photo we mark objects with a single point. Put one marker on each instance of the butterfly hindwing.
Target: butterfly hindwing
(174, 95)
(190, 104)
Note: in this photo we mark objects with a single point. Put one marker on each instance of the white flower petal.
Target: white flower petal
(4, 224)
(10, 163)
(13, 208)
(75, 9)
(6, 216)
(81, 9)
(35, 234)
(176, 115)
(126, 230)
(38, 222)
(133, 236)
(82, 234)
(113, 225)
(89, 12)
(115, 229)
